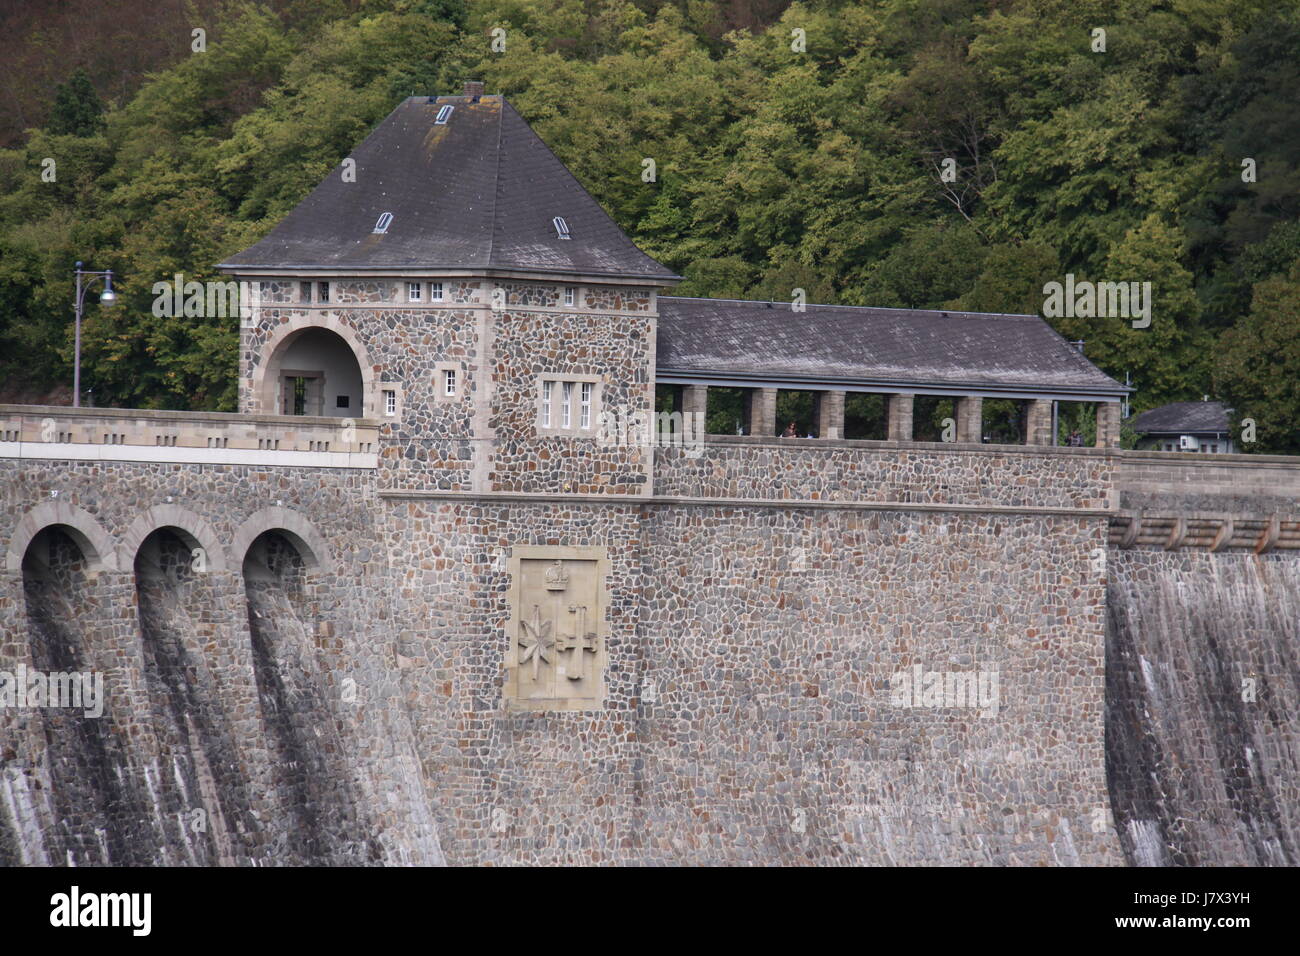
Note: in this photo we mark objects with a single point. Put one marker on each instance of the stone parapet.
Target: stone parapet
(36, 431)
(792, 469)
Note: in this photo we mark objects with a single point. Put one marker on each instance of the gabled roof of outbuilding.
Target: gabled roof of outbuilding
(480, 192)
(895, 349)
(1183, 418)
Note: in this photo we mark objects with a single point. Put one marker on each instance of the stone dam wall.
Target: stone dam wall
(1202, 670)
(863, 653)
(252, 713)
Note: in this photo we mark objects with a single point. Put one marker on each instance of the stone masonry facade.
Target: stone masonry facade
(804, 652)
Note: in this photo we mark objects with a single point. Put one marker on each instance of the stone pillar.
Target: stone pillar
(694, 398)
(1108, 424)
(828, 414)
(970, 419)
(760, 411)
(900, 417)
(1039, 431)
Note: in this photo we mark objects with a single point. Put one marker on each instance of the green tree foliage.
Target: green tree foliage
(912, 154)
(1255, 371)
(77, 110)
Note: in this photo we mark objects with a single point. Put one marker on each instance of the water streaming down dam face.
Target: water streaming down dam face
(311, 776)
(79, 788)
(200, 778)
(1202, 692)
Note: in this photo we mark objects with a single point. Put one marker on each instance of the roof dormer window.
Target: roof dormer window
(561, 227)
(384, 222)
(444, 114)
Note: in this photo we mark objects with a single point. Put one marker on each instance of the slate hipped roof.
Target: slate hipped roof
(1184, 418)
(479, 192)
(726, 339)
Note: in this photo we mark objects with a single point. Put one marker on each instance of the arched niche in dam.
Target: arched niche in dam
(95, 814)
(197, 781)
(302, 706)
(316, 367)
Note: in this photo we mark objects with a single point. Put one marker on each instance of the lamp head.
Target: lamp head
(108, 296)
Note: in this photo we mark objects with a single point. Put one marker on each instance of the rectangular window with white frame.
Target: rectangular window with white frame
(415, 292)
(447, 379)
(568, 404)
(390, 403)
(435, 291)
(569, 294)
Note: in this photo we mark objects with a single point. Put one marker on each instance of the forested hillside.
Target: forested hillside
(1171, 157)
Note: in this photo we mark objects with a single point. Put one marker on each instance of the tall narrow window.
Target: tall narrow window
(566, 405)
(322, 291)
(585, 418)
(390, 403)
(449, 382)
(435, 291)
(568, 295)
(414, 291)
(304, 293)
(548, 393)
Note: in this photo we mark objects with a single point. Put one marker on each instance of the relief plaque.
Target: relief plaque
(556, 655)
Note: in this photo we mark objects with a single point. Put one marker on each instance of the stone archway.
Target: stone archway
(317, 347)
(310, 544)
(79, 525)
(195, 531)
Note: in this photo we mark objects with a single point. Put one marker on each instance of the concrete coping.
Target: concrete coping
(150, 414)
(922, 446)
(1135, 456)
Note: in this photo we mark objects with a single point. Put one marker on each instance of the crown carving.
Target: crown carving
(557, 579)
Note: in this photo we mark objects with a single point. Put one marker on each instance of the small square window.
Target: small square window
(414, 291)
(322, 291)
(449, 382)
(342, 401)
(390, 403)
(435, 291)
(568, 295)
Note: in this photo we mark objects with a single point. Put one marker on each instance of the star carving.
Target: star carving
(537, 641)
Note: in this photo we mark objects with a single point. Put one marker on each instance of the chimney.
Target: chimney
(473, 90)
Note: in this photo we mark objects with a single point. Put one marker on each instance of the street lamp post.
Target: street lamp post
(107, 297)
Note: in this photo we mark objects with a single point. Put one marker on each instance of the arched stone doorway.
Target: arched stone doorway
(314, 371)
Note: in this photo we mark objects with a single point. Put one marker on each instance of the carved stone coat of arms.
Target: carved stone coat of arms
(556, 655)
